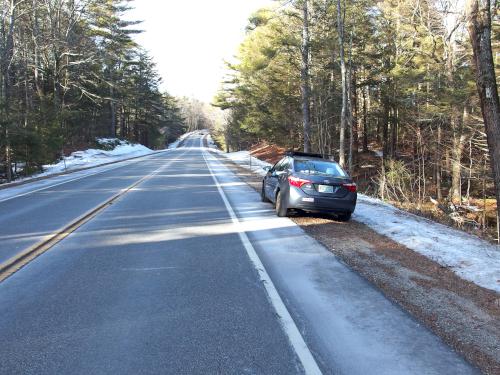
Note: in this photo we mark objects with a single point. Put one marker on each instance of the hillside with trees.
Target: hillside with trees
(70, 71)
(388, 88)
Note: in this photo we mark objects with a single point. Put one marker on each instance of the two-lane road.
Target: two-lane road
(28, 217)
(168, 279)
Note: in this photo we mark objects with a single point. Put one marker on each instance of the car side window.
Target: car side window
(286, 164)
(279, 166)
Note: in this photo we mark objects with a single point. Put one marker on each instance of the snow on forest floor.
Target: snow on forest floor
(80, 164)
(113, 150)
(94, 157)
(468, 256)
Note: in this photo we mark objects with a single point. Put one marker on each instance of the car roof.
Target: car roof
(299, 155)
(306, 154)
(313, 158)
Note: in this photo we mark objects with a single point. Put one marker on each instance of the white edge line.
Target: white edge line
(297, 341)
(125, 163)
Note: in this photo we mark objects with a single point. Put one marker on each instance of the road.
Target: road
(188, 273)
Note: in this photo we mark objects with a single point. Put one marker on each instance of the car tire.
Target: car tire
(263, 197)
(281, 209)
(345, 217)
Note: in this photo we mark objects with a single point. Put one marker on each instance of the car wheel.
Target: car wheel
(263, 197)
(345, 217)
(281, 209)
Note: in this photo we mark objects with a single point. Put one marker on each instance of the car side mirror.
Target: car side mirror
(267, 168)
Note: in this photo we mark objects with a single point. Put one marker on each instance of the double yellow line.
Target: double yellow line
(19, 260)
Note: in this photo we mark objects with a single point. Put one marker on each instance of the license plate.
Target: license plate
(325, 189)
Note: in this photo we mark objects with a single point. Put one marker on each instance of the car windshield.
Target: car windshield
(318, 167)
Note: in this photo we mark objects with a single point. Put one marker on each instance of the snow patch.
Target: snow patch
(244, 159)
(93, 157)
(210, 142)
(470, 257)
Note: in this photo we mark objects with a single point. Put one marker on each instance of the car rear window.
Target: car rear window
(318, 167)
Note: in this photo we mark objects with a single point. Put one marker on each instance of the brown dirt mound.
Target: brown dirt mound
(270, 153)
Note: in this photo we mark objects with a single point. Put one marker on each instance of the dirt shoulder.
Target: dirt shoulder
(464, 315)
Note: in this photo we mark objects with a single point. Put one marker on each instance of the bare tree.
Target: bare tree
(305, 79)
(343, 71)
(479, 25)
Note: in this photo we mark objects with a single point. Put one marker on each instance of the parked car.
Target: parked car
(309, 182)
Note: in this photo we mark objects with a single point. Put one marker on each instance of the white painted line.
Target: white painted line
(291, 330)
(75, 179)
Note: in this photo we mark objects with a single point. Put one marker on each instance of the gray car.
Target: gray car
(309, 182)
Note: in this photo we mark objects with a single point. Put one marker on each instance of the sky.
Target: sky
(190, 39)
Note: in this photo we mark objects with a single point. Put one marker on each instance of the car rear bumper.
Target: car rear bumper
(300, 200)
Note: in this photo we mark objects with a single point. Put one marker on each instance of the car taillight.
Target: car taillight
(297, 182)
(351, 187)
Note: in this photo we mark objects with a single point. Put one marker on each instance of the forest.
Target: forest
(387, 88)
(70, 71)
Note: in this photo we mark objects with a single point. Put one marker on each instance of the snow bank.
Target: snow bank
(210, 142)
(93, 157)
(470, 257)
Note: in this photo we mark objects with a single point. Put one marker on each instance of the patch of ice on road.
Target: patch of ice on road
(470, 257)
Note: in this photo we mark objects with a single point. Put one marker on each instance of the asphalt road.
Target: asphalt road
(162, 281)
(26, 219)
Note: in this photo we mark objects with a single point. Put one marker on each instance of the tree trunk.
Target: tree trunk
(305, 84)
(439, 195)
(344, 112)
(458, 138)
(394, 133)
(456, 168)
(365, 120)
(385, 131)
(354, 147)
(457, 125)
(112, 108)
(479, 25)
(123, 128)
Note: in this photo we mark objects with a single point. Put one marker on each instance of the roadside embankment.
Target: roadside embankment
(465, 315)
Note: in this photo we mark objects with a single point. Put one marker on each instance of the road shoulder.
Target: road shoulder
(464, 315)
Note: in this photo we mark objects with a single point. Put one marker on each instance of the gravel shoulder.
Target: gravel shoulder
(464, 315)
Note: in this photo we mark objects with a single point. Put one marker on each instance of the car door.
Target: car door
(272, 180)
(283, 174)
